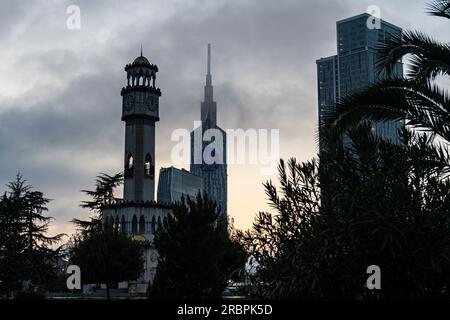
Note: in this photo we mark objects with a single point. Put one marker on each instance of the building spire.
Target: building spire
(209, 106)
(209, 59)
(141, 49)
(208, 87)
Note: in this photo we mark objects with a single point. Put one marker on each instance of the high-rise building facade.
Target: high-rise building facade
(175, 183)
(354, 66)
(213, 173)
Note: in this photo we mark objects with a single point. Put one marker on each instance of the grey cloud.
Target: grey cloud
(65, 128)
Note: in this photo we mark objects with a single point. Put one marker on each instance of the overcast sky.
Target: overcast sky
(60, 103)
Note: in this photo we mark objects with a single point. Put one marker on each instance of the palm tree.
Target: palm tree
(417, 98)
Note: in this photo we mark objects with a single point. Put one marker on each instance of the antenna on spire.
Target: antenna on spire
(209, 58)
(141, 49)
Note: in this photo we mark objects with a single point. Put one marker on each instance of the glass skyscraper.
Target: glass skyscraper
(354, 66)
(214, 174)
(175, 183)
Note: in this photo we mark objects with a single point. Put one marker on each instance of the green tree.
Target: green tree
(106, 255)
(26, 249)
(102, 195)
(12, 249)
(370, 203)
(196, 255)
(417, 98)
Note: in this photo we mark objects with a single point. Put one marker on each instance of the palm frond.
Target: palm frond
(439, 8)
(429, 58)
(422, 106)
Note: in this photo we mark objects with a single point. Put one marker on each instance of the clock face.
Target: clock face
(128, 103)
(151, 103)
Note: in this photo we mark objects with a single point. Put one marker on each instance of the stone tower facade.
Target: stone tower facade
(140, 111)
(137, 214)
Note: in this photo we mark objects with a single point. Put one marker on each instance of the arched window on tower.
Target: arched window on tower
(134, 225)
(148, 166)
(141, 225)
(123, 225)
(153, 225)
(116, 223)
(129, 166)
(107, 222)
(159, 223)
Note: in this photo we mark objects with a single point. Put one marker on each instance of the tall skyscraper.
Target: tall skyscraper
(353, 67)
(213, 173)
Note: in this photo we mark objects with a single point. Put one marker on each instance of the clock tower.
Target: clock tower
(140, 112)
(137, 214)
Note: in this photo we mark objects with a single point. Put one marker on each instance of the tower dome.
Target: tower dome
(141, 61)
